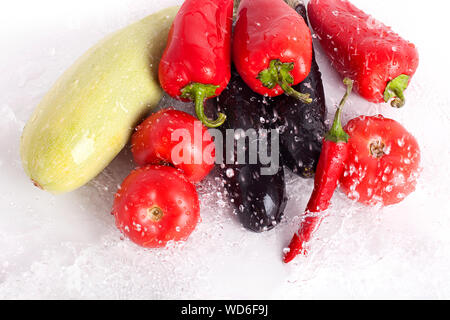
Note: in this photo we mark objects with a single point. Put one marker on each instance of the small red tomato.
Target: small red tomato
(156, 204)
(175, 137)
(383, 163)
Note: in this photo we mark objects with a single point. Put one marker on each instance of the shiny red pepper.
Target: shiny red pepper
(379, 61)
(329, 169)
(196, 64)
(272, 47)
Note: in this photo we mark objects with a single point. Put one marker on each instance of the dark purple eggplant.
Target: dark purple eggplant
(259, 199)
(302, 126)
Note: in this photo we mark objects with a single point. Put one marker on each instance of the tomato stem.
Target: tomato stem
(155, 213)
(198, 93)
(377, 149)
(337, 133)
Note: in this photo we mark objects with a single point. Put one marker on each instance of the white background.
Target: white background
(68, 247)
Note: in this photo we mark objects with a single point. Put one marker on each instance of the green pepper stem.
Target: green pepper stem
(303, 97)
(337, 133)
(394, 89)
(198, 93)
(199, 101)
(279, 73)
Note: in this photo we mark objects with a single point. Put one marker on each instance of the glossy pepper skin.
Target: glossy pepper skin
(196, 63)
(330, 168)
(379, 61)
(272, 47)
(259, 200)
(302, 125)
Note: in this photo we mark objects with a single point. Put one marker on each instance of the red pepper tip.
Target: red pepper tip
(295, 246)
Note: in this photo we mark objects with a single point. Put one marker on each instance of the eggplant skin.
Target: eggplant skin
(302, 126)
(260, 200)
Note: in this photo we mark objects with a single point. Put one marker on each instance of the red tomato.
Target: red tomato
(383, 163)
(156, 204)
(177, 138)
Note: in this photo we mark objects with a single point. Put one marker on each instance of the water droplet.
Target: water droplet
(230, 173)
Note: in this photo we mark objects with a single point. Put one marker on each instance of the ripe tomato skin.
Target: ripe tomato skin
(156, 204)
(383, 163)
(152, 143)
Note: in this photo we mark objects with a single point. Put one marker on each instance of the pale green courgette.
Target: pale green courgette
(87, 118)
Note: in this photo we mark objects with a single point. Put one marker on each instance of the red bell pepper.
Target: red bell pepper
(272, 47)
(329, 169)
(196, 64)
(379, 61)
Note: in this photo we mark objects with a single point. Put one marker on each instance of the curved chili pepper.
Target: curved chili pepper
(330, 168)
(272, 47)
(379, 61)
(196, 64)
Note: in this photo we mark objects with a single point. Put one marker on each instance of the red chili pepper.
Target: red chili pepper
(379, 61)
(196, 64)
(272, 47)
(329, 169)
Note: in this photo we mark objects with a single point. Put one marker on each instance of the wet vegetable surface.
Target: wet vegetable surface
(260, 200)
(196, 63)
(383, 163)
(302, 126)
(155, 141)
(272, 47)
(365, 50)
(155, 205)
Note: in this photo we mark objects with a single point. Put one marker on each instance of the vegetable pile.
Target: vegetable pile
(262, 83)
